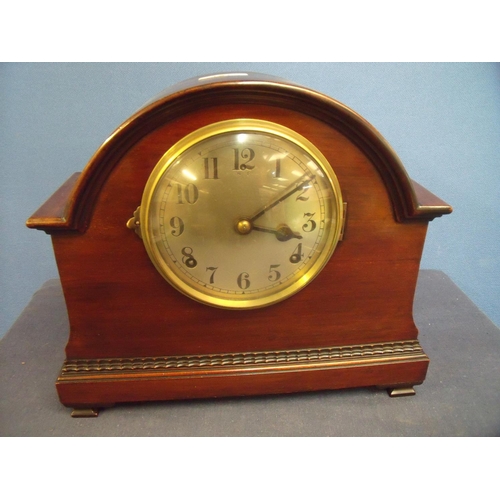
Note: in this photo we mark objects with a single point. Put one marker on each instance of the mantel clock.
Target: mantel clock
(238, 235)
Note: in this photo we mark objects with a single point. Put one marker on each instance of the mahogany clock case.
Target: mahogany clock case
(133, 337)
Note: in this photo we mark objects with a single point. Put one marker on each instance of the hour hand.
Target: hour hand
(282, 232)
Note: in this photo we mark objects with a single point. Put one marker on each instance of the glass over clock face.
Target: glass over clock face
(241, 214)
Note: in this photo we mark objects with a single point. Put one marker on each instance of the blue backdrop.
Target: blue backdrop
(443, 120)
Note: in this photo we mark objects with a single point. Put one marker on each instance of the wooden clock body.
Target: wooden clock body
(133, 337)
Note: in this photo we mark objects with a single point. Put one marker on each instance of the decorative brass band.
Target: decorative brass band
(257, 362)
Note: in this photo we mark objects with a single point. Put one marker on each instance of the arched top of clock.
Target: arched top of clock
(71, 207)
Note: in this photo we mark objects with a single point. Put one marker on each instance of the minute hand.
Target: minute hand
(298, 187)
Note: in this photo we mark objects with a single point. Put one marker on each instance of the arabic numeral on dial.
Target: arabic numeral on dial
(211, 168)
(301, 196)
(177, 226)
(310, 225)
(297, 254)
(274, 275)
(277, 170)
(188, 260)
(213, 269)
(243, 281)
(246, 154)
(188, 193)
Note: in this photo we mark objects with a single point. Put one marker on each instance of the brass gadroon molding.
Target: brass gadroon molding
(258, 362)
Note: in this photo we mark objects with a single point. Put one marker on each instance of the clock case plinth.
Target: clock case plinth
(134, 338)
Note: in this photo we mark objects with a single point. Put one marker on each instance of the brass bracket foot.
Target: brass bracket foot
(84, 412)
(396, 392)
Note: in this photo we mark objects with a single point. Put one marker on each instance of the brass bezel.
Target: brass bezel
(240, 126)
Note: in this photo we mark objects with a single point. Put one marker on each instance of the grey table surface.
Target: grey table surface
(460, 396)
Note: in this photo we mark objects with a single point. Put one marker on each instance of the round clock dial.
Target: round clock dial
(241, 214)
